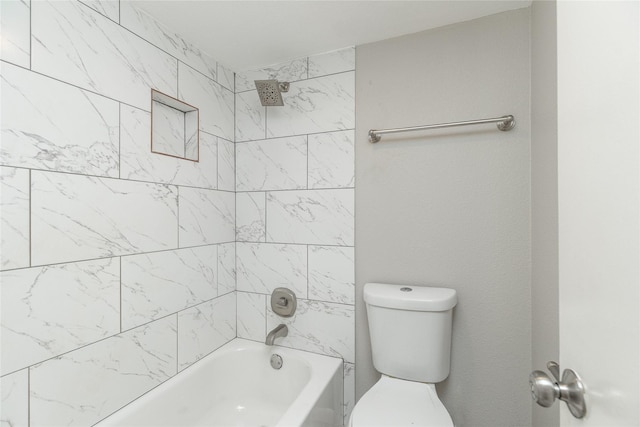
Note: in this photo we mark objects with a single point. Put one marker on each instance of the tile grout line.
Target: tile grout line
(308, 271)
(73, 85)
(164, 317)
(296, 134)
(307, 140)
(156, 183)
(178, 218)
(119, 140)
(102, 95)
(177, 342)
(119, 255)
(217, 276)
(342, 304)
(120, 261)
(218, 164)
(235, 192)
(156, 46)
(29, 396)
(264, 235)
(266, 121)
(302, 80)
(30, 221)
(30, 35)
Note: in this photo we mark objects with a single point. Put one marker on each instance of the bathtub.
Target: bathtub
(236, 386)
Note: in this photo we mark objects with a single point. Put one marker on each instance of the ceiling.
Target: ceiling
(251, 34)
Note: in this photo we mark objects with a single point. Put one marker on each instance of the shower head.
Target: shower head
(270, 92)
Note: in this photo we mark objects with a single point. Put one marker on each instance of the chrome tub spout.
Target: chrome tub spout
(279, 331)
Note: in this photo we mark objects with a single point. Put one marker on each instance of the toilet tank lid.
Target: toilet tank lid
(409, 297)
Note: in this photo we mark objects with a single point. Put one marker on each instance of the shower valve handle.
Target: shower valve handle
(545, 390)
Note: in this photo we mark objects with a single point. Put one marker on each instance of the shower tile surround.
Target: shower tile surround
(295, 206)
(118, 266)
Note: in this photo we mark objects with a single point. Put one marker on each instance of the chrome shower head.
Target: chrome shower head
(270, 92)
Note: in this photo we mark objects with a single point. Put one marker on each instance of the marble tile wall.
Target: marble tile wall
(295, 206)
(117, 264)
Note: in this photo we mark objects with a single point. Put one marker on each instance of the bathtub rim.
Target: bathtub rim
(323, 370)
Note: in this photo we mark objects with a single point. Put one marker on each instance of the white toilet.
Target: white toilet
(410, 328)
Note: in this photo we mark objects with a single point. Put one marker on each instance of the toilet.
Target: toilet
(410, 329)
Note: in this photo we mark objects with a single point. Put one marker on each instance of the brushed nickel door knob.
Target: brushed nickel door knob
(545, 390)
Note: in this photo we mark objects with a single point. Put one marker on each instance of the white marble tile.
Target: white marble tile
(14, 389)
(226, 268)
(76, 44)
(250, 117)
(205, 327)
(139, 163)
(319, 327)
(47, 311)
(191, 138)
(168, 130)
(252, 314)
(108, 8)
(206, 216)
(226, 77)
(250, 217)
(349, 390)
(15, 28)
(213, 100)
(285, 72)
(337, 61)
(332, 160)
(14, 222)
(323, 217)
(79, 136)
(84, 386)
(323, 104)
(226, 165)
(272, 164)
(160, 283)
(157, 34)
(332, 274)
(262, 267)
(75, 217)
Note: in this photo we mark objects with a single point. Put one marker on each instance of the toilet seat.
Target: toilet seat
(395, 402)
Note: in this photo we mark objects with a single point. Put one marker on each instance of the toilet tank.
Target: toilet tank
(410, 329)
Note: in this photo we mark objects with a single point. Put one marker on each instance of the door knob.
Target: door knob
(545, 390)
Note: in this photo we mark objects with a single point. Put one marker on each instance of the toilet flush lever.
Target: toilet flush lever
(570, 389)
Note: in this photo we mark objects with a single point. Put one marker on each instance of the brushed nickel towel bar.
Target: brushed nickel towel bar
(505, 123)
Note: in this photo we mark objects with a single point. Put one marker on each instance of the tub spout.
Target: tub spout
(279, 331)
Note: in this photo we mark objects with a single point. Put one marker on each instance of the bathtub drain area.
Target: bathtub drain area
(276, 361)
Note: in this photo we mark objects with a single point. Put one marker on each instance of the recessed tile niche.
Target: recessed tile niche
(174, 127)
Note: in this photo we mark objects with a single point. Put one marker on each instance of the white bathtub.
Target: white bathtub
(236, 386)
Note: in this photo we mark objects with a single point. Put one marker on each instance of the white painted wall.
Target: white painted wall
(599, 190)
(544, 198)
(452, 208)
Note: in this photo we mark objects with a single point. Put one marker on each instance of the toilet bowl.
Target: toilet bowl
(395, 402)
(410, 330)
